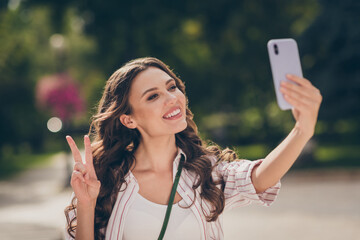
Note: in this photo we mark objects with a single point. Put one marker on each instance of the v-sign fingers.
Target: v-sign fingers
(74, 149)
(88, 156)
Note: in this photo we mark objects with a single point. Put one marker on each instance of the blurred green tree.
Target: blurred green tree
(22, 37)
(331, 56)
(218, 47)
(26, 56)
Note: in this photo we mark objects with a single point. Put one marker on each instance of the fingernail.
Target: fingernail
(289, 75)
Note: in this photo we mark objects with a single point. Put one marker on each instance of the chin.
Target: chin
(182, 128)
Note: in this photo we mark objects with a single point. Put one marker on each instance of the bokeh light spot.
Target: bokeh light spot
(54, 124)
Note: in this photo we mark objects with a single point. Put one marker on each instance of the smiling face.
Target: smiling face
(158, 106)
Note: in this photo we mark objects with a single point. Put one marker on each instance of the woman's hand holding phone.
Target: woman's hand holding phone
(84, 181)
(305, 99)
(292, 90)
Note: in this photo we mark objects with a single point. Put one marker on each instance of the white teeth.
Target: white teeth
(175, 112)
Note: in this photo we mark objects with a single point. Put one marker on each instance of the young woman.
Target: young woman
(143, 131)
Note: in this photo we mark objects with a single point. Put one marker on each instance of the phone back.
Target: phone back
(284, 59)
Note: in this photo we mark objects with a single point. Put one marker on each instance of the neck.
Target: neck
(156, 154)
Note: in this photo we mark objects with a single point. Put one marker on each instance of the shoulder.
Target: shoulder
(213, 159)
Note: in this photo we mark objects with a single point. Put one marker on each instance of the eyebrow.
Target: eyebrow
(152, 89)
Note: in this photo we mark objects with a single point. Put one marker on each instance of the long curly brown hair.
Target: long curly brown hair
(114, 145)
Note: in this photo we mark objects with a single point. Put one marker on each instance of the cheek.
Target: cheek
(148, 112)
(182, 97)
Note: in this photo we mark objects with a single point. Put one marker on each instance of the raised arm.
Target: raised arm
(306, 100)
(86, 187)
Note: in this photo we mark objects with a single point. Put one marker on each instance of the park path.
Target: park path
(311, 205)
(32, 203)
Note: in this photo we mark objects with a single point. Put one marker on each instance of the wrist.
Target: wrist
(86, 205)
(304, 134)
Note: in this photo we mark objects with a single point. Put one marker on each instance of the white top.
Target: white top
(145, 218)
(239, 191)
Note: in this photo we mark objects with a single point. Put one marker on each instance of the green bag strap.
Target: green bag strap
(171, 200)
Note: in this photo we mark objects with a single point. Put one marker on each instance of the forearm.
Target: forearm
(279, 161)
(85, 222)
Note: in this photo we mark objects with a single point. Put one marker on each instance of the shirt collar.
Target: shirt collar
(178, 155)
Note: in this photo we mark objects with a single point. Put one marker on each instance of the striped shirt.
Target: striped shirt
(239, 191)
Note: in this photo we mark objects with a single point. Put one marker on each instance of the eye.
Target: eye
(152, 97)
(173, 87)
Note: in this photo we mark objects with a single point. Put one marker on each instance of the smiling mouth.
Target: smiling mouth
(173, 114)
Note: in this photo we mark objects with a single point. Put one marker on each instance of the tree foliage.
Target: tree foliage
(217, 47)
(331, 55)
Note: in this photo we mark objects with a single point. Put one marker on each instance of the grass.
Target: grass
(253, 152)
(337, 155)
(333, 153)
(11, 165)
(325, 156)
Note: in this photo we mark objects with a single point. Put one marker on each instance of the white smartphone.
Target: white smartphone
(284, 59)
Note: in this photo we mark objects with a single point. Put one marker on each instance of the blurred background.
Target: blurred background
(55, 57)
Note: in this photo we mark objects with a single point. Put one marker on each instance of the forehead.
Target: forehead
(149, 78)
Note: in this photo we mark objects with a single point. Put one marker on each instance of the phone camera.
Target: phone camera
(276, 49)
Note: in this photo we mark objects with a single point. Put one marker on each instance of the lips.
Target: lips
(172, 112)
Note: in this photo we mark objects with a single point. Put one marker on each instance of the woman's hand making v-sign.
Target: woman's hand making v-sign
(84, 181)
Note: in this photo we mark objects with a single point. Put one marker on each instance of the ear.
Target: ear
(127, 121)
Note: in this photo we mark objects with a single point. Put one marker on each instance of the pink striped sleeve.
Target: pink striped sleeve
(239, 190)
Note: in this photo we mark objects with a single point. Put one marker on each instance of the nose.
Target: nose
(170, 99)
